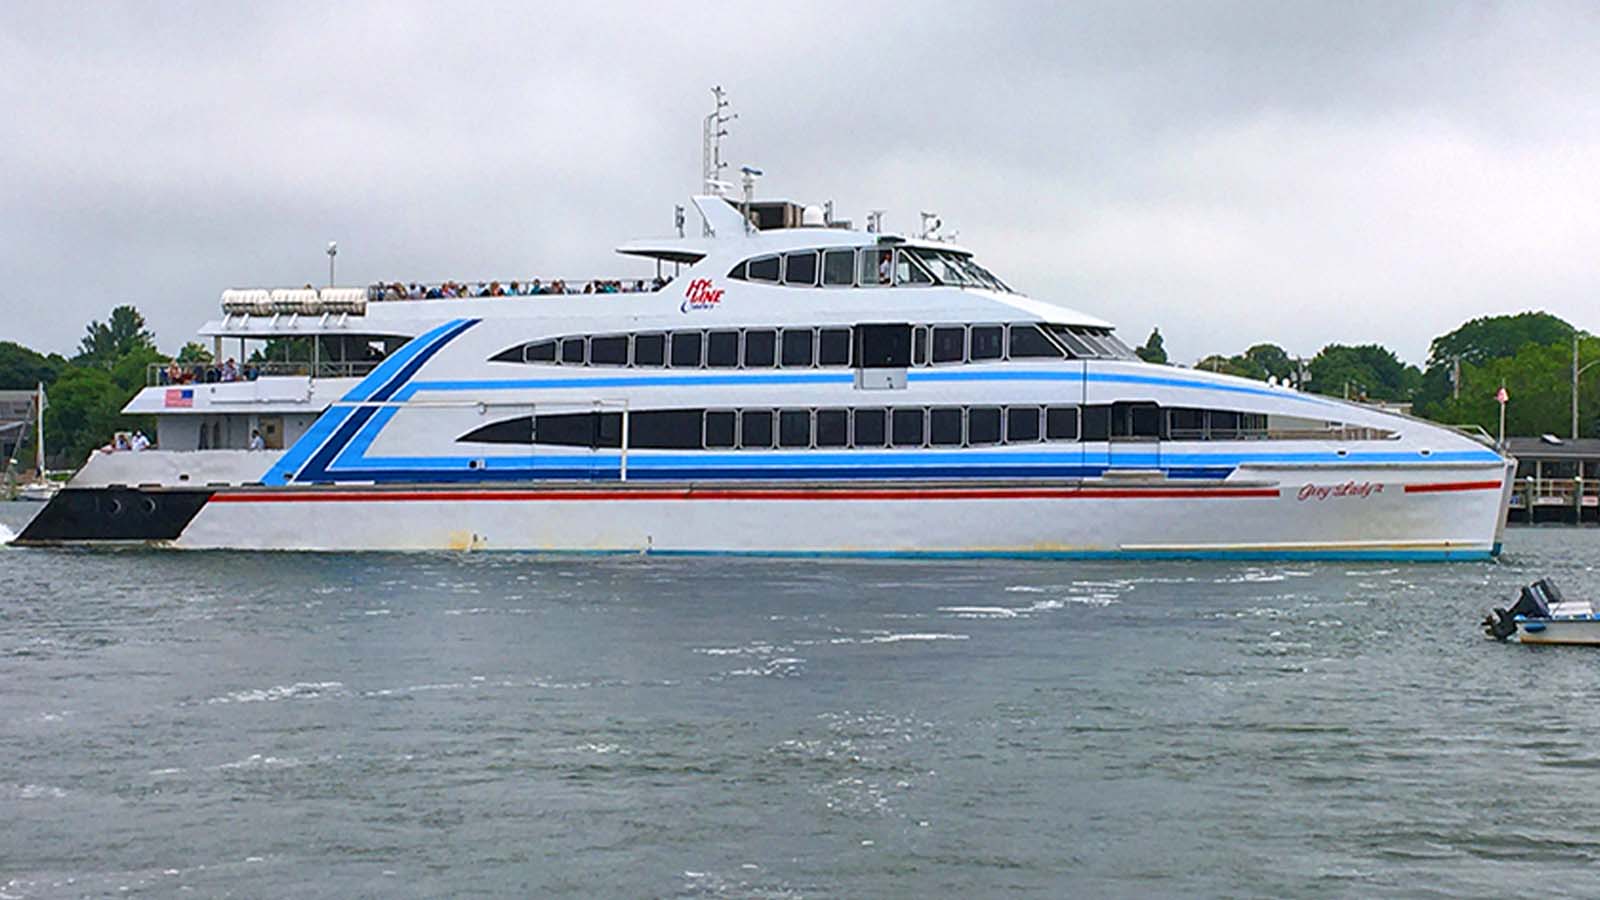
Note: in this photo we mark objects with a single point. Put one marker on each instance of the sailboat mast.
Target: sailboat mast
(39, 444)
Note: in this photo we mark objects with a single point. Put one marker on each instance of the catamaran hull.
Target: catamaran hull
(1448, 516)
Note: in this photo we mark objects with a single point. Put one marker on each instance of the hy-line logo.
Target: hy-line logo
(700, 295)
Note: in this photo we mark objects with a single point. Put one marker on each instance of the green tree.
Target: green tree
(1538, 379)
(84, 411)
(1242, 366)
(106, 343)
(1154, 349)
(1368, 371)
(194, 352)
(22, 368)
(1475, 344)
(1272, 359)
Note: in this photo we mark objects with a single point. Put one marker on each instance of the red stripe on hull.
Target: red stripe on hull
(1453, 486)
(452, 496)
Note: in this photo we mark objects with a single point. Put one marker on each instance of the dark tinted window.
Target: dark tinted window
(1143, 420)
(838, 267)
(755, 428)
(833, 427)
(509, 431)
(1061, 423)
(919, 346)
(686, 349)
(665, 429)
(944, 426)
(870, 429)
(1027, 341)
(1187, 424)
(794, 428)
(567, 429)
(572, 351)
(800, 268)
(1224, 425)
(949, 344)
(720, 425)
(1073, 342)
(983, 425)
(883, 346)
(1022, 424)
(1096, 423)
(797, 347)
(833, 347)
(722, 349)
(764, 269)
(543, 351)
(760, 349)
(737, 272)
(608, 351)
(649, 350)
(988, 342)
(907, 427)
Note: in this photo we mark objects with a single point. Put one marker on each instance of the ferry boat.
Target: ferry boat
(787, 384)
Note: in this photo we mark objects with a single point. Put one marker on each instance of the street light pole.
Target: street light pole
(333, 251)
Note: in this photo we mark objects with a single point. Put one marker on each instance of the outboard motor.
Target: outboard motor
(1534, 603)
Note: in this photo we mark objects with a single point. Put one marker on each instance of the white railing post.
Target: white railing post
(622, 472)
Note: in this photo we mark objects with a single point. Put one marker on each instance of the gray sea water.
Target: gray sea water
(261, 725)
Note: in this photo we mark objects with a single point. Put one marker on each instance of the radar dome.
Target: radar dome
(811, 217)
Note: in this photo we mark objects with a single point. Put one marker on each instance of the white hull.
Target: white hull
(38, 493)
(1244, 519)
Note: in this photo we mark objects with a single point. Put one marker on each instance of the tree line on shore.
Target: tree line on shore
(1529, 353)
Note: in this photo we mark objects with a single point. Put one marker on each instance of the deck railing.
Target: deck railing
(158, 374)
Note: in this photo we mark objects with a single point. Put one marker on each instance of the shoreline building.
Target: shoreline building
(1558, 480)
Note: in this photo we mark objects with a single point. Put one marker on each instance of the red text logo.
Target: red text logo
(701, 295)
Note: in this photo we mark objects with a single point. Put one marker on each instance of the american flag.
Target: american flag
(180, 397)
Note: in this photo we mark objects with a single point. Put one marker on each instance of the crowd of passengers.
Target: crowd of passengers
(454, 289)
(208, 373)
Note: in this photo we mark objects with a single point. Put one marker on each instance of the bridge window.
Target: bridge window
(877, 267)
(800, 268)
(988, 342)
(910, 272)
(722, 349)
(949, 344)
(1028, 342)
(686, 349)
(838, 268)
(760, 349)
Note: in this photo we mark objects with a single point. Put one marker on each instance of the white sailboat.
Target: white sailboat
(41, 489)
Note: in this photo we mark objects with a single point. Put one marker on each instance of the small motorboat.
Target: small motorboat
(1542, 615)
(38, 491)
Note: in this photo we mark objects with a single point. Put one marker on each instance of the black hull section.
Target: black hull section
(113, 514)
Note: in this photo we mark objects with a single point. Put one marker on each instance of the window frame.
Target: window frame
(824, 267)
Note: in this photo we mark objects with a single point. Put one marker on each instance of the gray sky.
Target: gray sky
(1301, 173)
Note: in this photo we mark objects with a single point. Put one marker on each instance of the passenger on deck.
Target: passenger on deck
(138, 442)
(256, 443)
(173, 374)
(495, 290)
(230, 370)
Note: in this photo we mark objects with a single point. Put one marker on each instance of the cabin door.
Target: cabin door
(1135, 436)
(272, 432)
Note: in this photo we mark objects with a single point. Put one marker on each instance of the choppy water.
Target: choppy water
(262, 725)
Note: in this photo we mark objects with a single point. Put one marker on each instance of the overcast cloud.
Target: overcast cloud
(1302, 173)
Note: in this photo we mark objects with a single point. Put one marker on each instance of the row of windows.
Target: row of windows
(869, 267)
(834, 428)
(763, 348)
